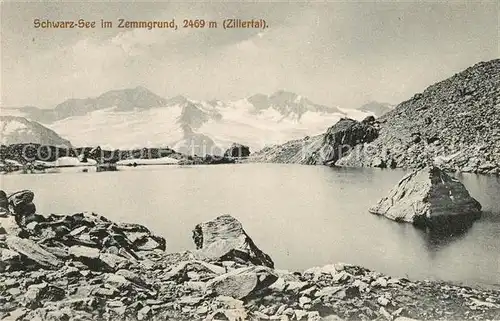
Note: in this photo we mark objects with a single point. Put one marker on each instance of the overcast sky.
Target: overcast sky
(337, 53)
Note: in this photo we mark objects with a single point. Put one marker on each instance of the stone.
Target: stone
(224, 239)
(313, 316)
(85, 252)
(36, 294)
(299, 314)
(368, 120)
(344, 134)
(303, 300)
(429, 197)
(385, 314)
(325, 149)
(380, 282)
(184, 271)
(114, 262)
(132, 277)
(21, 198)
(144, 313)
(33, 251)
(117, 281)
(9, 226)
(8, 256)
(237, 150)
(188, 300)
(242, 282)
(4, 200)
(328, 290)
(16, 315)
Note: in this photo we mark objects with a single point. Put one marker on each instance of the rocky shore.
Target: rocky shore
(86, 267)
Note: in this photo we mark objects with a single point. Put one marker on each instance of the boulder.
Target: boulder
(237, 150)
(4, 204)
(224, 239)
(242, 282)
(21, 205)
(429, 198)
(36, 294)
(20, 198)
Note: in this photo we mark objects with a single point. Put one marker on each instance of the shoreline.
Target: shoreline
(87, 267)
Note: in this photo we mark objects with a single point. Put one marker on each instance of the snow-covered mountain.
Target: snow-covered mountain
(15, 130)
(121, 100)
(378, 109)
(135, 118)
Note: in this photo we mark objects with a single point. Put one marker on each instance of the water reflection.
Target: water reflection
(437, 239)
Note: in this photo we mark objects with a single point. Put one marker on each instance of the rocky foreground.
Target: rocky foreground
(86, 267)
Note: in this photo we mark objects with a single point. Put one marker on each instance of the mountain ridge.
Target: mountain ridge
(111, 120)
(16, 129)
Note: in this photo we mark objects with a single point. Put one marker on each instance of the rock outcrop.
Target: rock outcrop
(454, 123)
(324, 149)
(85, 267)
(225, 239)
(237, 150)
(430, 198)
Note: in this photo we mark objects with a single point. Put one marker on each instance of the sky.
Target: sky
(335, 53)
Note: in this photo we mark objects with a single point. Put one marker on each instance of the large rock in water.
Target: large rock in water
(429, 198)
(224, 239)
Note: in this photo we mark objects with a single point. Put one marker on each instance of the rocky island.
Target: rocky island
(430, 198)
(86, 267)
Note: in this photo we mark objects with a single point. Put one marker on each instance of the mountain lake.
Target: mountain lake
(302, 216)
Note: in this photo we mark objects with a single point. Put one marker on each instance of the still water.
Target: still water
(302, 216)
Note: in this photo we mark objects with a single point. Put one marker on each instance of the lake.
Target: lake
(302, 216)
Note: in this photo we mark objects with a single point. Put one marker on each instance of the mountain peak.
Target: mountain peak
(288, 103)
(141, 88)
(283, 93)
(177, 100)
